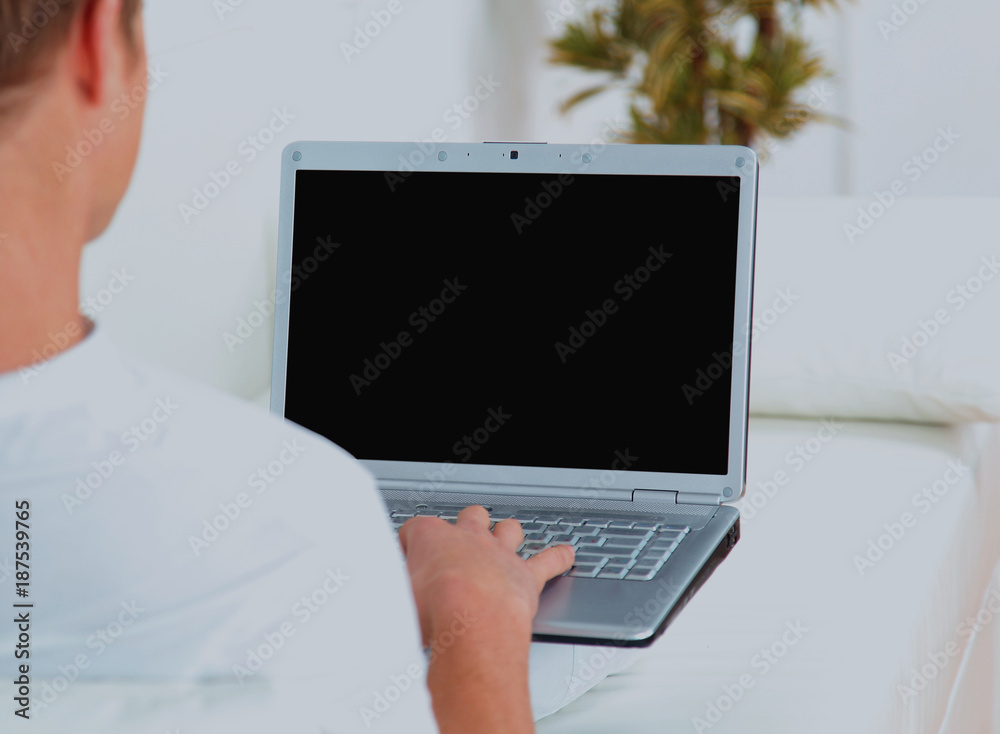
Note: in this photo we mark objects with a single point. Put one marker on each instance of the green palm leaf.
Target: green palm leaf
(691, 84)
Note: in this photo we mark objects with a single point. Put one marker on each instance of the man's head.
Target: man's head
(63, 65)
(32, 29)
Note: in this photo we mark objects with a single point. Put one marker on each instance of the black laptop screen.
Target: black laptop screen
(515, 319)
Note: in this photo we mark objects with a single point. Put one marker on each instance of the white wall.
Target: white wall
(226, 74)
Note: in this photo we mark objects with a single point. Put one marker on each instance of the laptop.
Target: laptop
(559, 333)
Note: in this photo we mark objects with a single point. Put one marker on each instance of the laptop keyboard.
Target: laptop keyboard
(609, 545)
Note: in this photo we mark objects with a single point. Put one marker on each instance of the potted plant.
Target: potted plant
(688, 77)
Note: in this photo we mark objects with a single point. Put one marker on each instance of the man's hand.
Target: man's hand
(479, 681)
(461, 567)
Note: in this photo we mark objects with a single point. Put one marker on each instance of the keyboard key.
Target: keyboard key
(534, 527)
(594, 542)
(401, 514)
(626, 532)
(620, 524)
(538, 537)
(644, 563)
(669, 537)
(640, 574)
(525, 516)
(596, 523)
(619, 563)
(675, 529)
(669, 545)
(660, 550)
(623, 553)
(547, 517)
(625, 542)
(646, 526)
(665, 541)
(563, 539)
(587, 572)
(586, 530)
(590, 558)
(612, 572)
(533, 547)
(655, 556)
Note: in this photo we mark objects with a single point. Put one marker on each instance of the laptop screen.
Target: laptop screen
(515, 318)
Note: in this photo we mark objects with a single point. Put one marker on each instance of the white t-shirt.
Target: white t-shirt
(195, 565)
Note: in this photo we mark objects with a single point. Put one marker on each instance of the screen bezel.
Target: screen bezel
(597, 158)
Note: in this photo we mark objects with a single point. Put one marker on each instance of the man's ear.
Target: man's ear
(97, 41)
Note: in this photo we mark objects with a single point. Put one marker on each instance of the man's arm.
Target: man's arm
(476, 600)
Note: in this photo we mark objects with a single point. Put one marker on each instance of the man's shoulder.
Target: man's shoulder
(208, 420)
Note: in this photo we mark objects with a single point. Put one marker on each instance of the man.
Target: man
(194, 564)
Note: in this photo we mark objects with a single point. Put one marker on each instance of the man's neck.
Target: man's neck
(43, 228)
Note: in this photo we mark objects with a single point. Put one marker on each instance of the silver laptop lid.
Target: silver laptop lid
(521, 318)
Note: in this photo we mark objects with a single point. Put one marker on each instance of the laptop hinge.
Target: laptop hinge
(670, 497)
